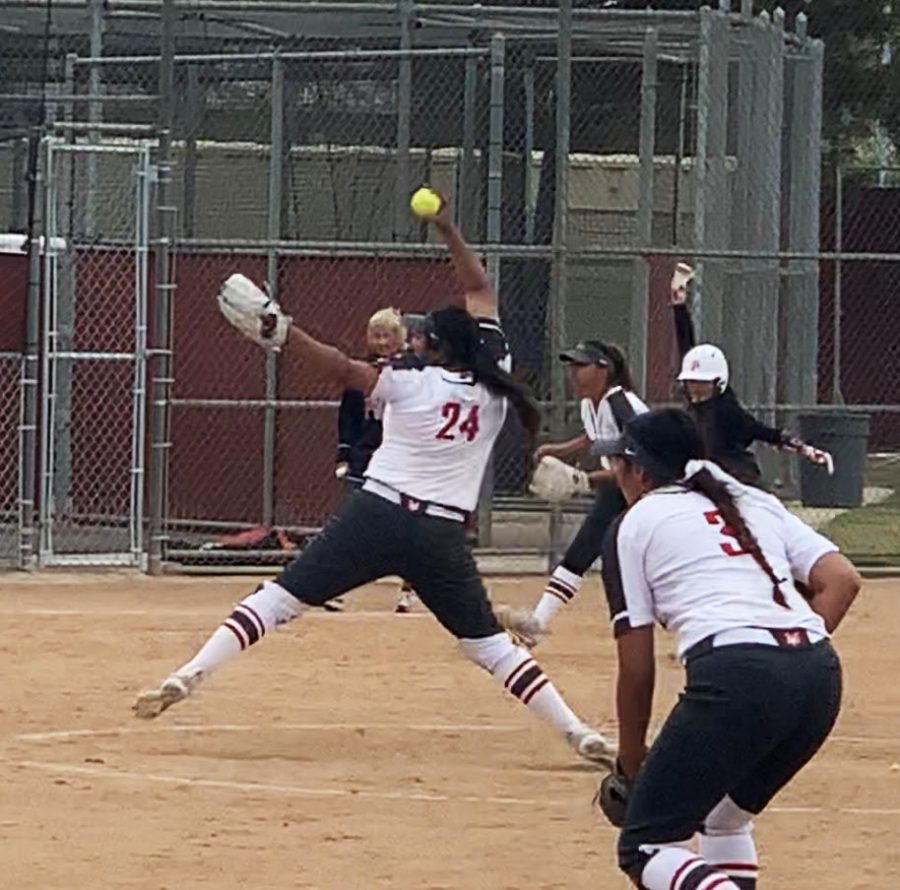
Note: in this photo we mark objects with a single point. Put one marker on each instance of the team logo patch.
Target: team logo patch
(695, 365)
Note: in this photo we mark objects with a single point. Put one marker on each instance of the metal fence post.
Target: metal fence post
(160, 436)
(95, 115)
(805, 147)
(276, 174)
(715, 234)
(29, 403)
(468, 196)
(737, 280)
(495, 155)
(404, 115)
(559, 270)
(494, 236)
(837, 396)
(528, 148)
(700, 156)
(641, 274)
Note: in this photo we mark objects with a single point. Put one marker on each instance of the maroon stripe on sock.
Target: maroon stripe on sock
(718, 883)
(558, 595)
(689, 863)
(701, 875)
(736, 866)
(535, 690)
(556, 586)
(237, 633)
(525, 680)
(247, 624)
(518, 671)
(255, 615)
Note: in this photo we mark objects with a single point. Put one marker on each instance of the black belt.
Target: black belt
(782, 638)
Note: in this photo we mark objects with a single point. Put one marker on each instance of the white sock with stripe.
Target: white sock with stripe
(559, 591)
(726, 843)
(253, 617)
(523, 677)
(675, 868)
(733, 855)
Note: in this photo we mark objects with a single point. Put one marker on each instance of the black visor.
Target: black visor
(585, 353)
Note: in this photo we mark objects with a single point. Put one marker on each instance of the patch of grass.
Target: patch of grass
(869, 535)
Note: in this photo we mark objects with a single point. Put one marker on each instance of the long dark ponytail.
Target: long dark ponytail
(706, 484)
(454, 332)
(619, 372)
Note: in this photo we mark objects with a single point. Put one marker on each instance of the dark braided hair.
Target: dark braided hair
(454, 332)
(667, 440)
(706, 484)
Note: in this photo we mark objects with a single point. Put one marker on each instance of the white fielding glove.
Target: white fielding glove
(819, 456)
(253, 312)
(557, 481)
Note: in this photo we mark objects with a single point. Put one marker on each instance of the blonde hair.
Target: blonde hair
(391, 319)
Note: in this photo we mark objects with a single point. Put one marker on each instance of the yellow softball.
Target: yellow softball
(425, 203)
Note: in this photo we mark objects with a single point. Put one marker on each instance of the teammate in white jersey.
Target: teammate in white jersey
(599, 375)
(753, 594)
(409, 518)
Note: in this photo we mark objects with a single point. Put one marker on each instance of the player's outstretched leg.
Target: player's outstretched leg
(521, 676)
(567, 578)
(252, 618)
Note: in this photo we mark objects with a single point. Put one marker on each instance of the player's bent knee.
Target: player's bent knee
(273, 604)
(726, 818)
(488, 651)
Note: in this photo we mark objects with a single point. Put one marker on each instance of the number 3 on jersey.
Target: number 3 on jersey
(714, 517)
(468, 429)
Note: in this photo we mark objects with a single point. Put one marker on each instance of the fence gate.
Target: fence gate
(93, 377)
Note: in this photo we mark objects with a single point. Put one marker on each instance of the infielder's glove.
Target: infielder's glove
(818, 456)
(521, 625)
(253, 312)
(612, 796)
(557, 481)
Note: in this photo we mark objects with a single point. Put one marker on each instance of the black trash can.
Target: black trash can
(846, 436)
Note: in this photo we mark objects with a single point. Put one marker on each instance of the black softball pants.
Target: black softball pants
(369, 537)
(750, 717)
(587, 544)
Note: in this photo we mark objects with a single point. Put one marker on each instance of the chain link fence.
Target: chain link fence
(585, 153)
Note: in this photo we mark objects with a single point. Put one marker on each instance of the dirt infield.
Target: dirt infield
(361, 750)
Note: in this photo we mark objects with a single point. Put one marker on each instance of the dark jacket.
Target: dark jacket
(726, 427)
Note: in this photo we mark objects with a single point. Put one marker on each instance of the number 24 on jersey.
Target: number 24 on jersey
(457, 427)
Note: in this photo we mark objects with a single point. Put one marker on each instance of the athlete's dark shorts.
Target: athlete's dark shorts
(750, 718)
(369, 537)
(587, 544)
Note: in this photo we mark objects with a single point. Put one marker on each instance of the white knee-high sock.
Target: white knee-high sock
(522, 676)
(559, 591)
(674, 868)
(252, 618)
(733, 855)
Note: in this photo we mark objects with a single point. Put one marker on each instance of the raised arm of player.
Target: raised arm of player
(329, 361)
(481, 300)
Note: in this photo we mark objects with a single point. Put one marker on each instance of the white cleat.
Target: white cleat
(153, 702)
(406, 602)
(593, 746)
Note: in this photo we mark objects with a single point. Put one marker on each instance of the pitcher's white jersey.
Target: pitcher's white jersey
(439, 431)
(672, 559)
